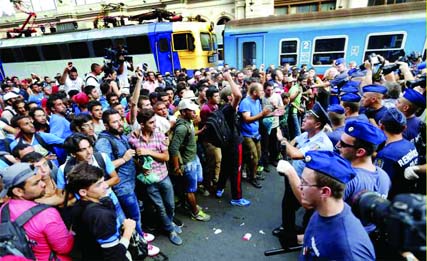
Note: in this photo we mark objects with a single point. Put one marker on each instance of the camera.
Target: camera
(373, 59)
(402, 221)
(116, 56)
(417, 82)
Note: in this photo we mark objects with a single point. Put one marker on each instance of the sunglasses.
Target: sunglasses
(342, 144)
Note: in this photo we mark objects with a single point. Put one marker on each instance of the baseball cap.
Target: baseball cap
(10, 95)
(187, 104)
(15, 175)
(330, 164)
(81, 98)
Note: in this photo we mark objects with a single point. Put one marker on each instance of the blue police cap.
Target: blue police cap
(336, 108)
(319, 113)
(330, 164)
(393, 117)
(351, 86)
(415, 97)
(365, 131)
(339, 61)
(421, 66)
(350, 97)
(375, 88)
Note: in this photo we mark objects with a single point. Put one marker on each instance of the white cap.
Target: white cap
(10, 95)
(187, 104)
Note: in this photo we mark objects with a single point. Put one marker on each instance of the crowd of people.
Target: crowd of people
(101, 147)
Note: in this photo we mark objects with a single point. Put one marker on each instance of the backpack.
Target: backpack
(13, 239)
(217, 130)
(113, 144)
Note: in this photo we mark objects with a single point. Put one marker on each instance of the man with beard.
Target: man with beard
(59, 125)
(24, 185)
(115, 144)
(42, 142)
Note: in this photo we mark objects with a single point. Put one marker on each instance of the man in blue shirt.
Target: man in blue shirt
(251, 111)
(333, 232)
(397, 154)
(314, 138)
(409, 104)
(357, 144)
(59, 125)
(113, 143)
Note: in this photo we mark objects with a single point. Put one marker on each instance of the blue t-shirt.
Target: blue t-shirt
(253, 107)
(377, 181)
(37, 98)
(60, 126)
(394, 158)
(412, 128)
(340, 237)
(376, 114)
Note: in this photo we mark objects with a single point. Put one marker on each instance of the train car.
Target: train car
(316, 39)
(164, 46)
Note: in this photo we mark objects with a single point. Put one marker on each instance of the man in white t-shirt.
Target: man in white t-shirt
(70, 79)
(92, 77)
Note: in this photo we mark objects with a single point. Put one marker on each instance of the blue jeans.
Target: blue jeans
(296, 124)
(130, 206)
(193, 173)
(162, 195)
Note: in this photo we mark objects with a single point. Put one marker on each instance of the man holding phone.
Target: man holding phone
(70, 79)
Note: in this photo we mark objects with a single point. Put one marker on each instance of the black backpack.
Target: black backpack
(13, 239)
(217, 130)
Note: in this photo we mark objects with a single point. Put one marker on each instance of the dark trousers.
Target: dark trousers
(290, 205)
(269, 146)
(231, 167)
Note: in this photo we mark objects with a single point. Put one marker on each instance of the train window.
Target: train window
(163, 45)
(51, 52)
(138, 44)
(183, 41)
(206, 41)
(328, 49)
(79, 50)
(6, 55)
(100, 45)
(388, 45)
(249, 53)
(288, 52)
(30, 53)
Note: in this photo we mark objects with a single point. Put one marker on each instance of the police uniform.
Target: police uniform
(375, 114)
(413, 123)
(396, 156)
(338, 237)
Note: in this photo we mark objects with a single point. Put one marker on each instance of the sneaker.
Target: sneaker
(219, 193)
(260, 169)
(244, 173)
(175, 239)
(255, 183)
(206, 193)
(153, 250)
(201, 216)
(149, 237)
(240, 202)
(176, 228)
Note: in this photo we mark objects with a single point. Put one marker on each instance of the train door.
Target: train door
(166, 62)
(250, 51)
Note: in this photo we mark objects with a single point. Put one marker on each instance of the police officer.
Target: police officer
(351, 104)
(397, 154)
(409, 104)
(372, 101)
(314, 138)
(333, 232)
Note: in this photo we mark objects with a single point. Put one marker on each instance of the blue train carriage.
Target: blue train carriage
(163, 46)
(316, 39)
